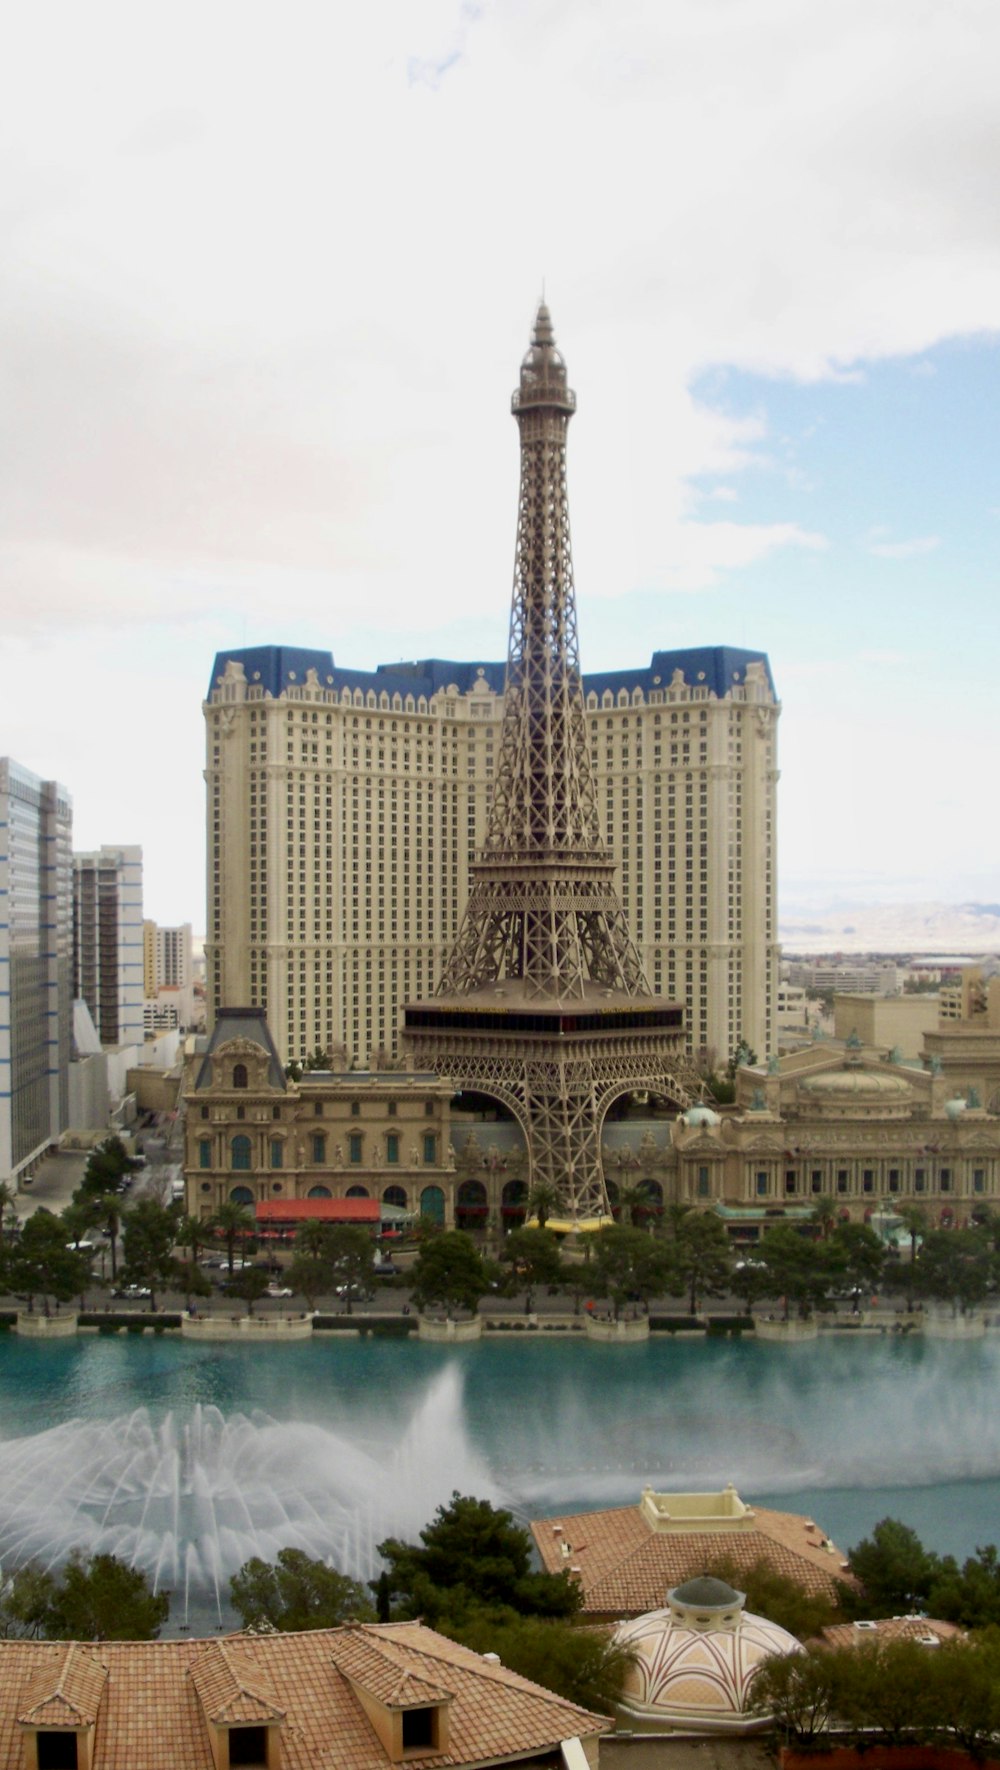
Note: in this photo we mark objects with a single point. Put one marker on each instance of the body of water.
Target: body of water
(189, 1459)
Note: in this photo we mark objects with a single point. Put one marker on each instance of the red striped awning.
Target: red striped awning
(329, 1210)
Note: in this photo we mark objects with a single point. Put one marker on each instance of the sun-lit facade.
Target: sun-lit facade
(343, 807)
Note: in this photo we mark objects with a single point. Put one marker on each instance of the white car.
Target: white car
(279, 1290)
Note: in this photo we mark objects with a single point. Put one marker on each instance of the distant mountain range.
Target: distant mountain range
(951, 929)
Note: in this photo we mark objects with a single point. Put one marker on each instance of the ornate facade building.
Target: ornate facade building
(829, 1122)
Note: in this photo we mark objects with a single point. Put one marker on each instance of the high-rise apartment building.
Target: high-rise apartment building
(108, 941)
(168, 976)
(344, 806)
(36, 832)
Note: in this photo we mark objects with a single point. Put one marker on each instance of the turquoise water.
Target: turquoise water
(188, 1459)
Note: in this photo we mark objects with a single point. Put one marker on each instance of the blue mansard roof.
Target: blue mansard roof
(275, 668)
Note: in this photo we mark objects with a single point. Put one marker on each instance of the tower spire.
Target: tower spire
(543, 908)
(543, 1002)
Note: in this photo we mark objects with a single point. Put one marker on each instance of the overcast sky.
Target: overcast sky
(267, 276)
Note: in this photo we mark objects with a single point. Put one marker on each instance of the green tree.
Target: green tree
(234, 1223)
(824, 1215)
(309, 1277)
(107, 1164)
(859, 1253)
(25, 1601)
(249, 1285)
(104, 1599)
(296, 1592)
(42, 1265)
(190, 1279)
(969, 1595)
(472, 1557)
(350, 1253)
(148, 1244)
(533, 1255)
(449, 1270)
(798, 1690)
(629, 1266)
(894, 1570)
(702, 1257)
(584, 1665)
(956, 1267)
(795, 1269)
(772, 1594)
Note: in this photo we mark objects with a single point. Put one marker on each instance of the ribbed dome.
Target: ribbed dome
(697, 1680)
(856, 1081)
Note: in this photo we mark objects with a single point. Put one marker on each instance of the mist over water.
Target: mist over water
(187, 1461)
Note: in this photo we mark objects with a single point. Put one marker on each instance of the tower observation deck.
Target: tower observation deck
(543, 1004)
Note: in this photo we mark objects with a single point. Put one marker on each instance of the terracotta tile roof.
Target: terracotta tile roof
(626, 1567)
(148, 1697)
(890, 1628)
(232, 1687)
(383, 1670)
(66, 1689)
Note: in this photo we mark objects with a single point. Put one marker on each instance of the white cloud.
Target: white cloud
(267, 279)
(911, 549)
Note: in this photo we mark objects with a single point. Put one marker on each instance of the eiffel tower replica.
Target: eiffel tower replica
(543, 1004)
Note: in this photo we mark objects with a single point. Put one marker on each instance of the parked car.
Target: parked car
(131, 1290)
(280, 1290)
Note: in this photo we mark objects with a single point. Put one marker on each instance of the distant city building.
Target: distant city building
(169, 977)
(877, 976)
(36, 965)
(893, 1022)
(108, 941)
(792, 1005)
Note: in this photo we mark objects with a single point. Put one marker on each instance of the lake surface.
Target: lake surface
(188, 1459)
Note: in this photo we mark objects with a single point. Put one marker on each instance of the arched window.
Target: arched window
(394, 1195)
(358, 1192)
(432, 1204)
(319, 1192)
(239, 1151)
(241, 1195)
(239, 1075)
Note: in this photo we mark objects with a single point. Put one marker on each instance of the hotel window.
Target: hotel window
(430, 1148)
(354, 1147)
(893, 1179)
(391, 1109)
(979, 1180)
(761, 1185)
(205, 1153)
(355, 1104)
(277, 1153)
(790, 1179)
(240, 1154)
(702, 1182)
(816, 1180)
(319, 1147)
(239, 1075)
(868, 1180)
(204, 1112)
(919, 1179)
(841, 1179)
(392, 1148)
(945, 1179)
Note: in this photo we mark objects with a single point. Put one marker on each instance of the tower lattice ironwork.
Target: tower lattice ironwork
(543, 1003)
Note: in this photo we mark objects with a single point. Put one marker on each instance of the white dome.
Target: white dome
(697, 1678)
(701, 1115)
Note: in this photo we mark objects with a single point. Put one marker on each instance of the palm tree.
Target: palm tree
(824, 1215)
(235, 1222)
(915, 1223)
(195, 1234)
(543, 1200)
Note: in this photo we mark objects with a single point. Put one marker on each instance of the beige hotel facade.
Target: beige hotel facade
(343, 808)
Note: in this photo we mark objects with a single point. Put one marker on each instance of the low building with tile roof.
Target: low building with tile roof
(627, 1559)
(362, 1697)
(927, 1631)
